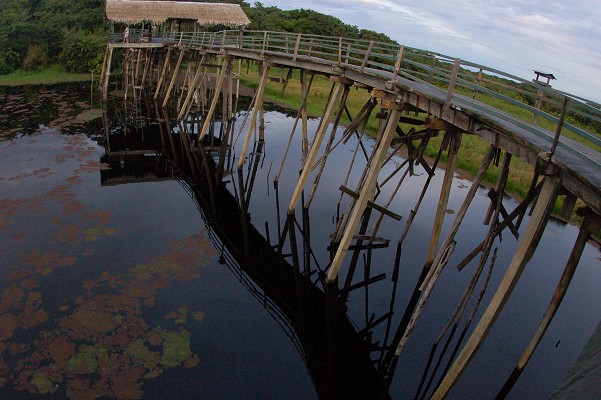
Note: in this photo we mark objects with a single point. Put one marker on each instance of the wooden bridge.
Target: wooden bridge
(420, 95)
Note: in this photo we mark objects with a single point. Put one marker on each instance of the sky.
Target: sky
(515, 36)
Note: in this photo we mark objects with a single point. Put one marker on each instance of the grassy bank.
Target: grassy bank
(50, 75)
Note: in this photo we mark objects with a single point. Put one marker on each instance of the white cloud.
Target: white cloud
(517, 36)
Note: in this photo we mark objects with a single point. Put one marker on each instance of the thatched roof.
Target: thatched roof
(157, 12)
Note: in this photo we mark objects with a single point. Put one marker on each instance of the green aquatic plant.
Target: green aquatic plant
(42, 384)
(176, 348)
(84, 362)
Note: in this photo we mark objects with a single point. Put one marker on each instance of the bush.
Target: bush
(83, 51)
(9, 62)
(36, 58)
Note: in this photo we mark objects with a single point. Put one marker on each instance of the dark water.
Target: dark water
(113, 285)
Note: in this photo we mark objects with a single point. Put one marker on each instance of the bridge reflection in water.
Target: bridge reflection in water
(336, 355)
(285, 274)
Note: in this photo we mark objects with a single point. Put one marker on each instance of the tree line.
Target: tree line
(72, 33)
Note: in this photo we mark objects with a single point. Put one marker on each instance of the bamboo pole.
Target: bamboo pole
(209, 116)
(444, 196)
(173, 77)
(524, 252)
(253, 120)
(192, 88)
(319, 136)
(304, 115)
(367, 192)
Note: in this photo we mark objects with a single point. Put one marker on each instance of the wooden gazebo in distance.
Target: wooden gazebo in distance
(547, 75)
(159, 12)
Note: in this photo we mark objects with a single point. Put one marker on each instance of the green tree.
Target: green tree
(83, 50)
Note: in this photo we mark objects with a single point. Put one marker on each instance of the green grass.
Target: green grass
(50, 75)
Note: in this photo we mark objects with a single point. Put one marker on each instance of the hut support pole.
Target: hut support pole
(319, 136)
(163, 72)
(253, 119)
(149, 61)
(590, 224)
(209, 116)
(524, 252)
(174, 77)
(107, 74)
(367, 192)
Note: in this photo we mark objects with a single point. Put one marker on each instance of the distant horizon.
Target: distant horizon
(514, 36)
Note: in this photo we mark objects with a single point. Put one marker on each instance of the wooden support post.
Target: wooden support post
(103, 69)
(537, 105)
(478, 78)
(209, 115)
(147, 66)
(499, 190)
(137, 70)
(253, 120)
(319, 136)
(397, 65)
(107, 74)
(569, 203)
(304, 115)
(367, 53)
(367, 192)
(524, 252)
(444, 195)
(591, 224)
(564, 112)
(432, 66)
(296, 46)
(174, 77)
(162, 77)
(286, 80)
(451, 88)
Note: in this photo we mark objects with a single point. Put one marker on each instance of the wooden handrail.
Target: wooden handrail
(380, 56)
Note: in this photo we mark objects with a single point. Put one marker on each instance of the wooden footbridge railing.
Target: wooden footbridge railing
(444, 95)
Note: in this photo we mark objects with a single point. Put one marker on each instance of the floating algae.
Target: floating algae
(41, 382)
(179, 316)
(198, 315)
(141, 354)
(83, 362)
(92, 234)
(89, 115)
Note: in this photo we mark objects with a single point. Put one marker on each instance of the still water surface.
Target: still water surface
(113, 288)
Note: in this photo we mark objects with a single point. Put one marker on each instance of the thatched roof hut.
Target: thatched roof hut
(157, 12)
